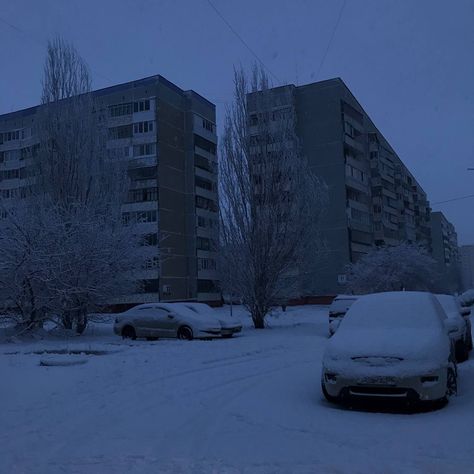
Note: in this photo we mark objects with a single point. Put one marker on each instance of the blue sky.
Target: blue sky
(408, 63)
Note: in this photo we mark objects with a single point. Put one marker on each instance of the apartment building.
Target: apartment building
(168, 138)
(373, 197)
(445, 251)
(466, 253)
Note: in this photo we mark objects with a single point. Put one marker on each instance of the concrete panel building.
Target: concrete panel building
(373, 197)
(168, 137)
(444, 244)
(466, 253)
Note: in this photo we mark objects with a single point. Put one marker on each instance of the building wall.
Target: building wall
(373, 198)
(445, 251)
(467, 266)
(161, 168)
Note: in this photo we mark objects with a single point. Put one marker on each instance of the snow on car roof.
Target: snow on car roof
(394, 309)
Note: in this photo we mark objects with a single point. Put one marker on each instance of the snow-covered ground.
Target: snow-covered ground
(251, 404)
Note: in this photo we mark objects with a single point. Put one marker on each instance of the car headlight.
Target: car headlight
(330, 377)
(429, 379)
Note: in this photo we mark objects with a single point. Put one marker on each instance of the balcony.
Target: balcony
(354, 144)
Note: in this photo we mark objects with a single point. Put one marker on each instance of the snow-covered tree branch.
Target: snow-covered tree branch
(270, 201)
(64, 249)
(402, 267)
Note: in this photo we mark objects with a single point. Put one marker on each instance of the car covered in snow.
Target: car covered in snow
(229, 325)
(155, 320)
(338, 308)
(393, 345)
(461, 337)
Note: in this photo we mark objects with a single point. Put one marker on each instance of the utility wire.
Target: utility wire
(331, 39)
(42, 43)
(453, 199)
(242, 40)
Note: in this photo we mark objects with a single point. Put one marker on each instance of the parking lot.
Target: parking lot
(250, 404)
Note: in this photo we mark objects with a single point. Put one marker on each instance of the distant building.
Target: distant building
(168, 136)
(444, 243)
(373, 198)
(467, 266)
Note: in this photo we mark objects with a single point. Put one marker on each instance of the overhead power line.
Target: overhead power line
(231, 28)
(331, 39)
(42, 43)
(453, 199)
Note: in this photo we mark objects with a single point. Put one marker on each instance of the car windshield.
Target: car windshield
(448, 303)
(392, 310)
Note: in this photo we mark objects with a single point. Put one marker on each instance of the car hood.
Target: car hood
(374, 351)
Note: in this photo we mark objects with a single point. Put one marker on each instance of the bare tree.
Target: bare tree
(270, 201)
(402, 267)
(72, 248)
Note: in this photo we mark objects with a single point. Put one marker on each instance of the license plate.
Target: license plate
(377, 381)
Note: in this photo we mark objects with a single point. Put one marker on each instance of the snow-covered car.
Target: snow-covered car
(461, 337)
(156, 320)
(392, 345)
(467, 298)
(229, 325)
(338, 308)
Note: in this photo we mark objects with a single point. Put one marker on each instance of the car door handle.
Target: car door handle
(170, 316)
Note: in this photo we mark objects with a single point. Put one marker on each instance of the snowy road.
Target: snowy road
(251, 404)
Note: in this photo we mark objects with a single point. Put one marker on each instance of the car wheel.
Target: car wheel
(128, 332)
(451, 383)
(462, 351)
(185, 333)
(328, 397)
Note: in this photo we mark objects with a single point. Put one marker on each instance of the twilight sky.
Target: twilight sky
(409, 63)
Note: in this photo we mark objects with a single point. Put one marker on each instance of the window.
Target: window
(13, 174)
(201, 162)
(10, 136)
(206, 222)
(144, 149)
(205, 144)
(360, 216)
(119, 153)
(143, 127)
(120, 110)
(206, 264)
(143, 195)
(10, 193)
(150, 286)
(141, 106)
(139, 217)
(137, 174)
(150, 240)
(356, 173)
(123, 131)
(207, 286)
(204, 203)
(203, 183)
(150, 263)
(203, 243)
(208, 125)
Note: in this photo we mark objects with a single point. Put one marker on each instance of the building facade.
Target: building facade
(373, 198)
(444, 244)
(168, 138)
(466, 253)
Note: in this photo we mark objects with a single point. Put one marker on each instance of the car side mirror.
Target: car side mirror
(465, 311)
(334, 325)
(450, 326)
